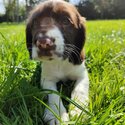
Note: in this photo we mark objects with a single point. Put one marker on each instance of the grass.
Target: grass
(20, 93)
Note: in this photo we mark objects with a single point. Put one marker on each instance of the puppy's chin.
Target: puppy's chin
(47, 55)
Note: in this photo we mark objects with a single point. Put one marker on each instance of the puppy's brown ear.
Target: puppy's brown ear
(81, 36)
(77, 58)
(29, 40)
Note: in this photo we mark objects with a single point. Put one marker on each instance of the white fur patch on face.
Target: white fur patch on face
(59, 40)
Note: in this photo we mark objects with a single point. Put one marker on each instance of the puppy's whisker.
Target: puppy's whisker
(71, 50)
(69, 55)
(73, 46)
(68, 52)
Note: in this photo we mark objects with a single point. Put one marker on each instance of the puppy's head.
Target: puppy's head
(55, 29)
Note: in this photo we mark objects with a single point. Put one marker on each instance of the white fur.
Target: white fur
(59, 41)
(56, 70)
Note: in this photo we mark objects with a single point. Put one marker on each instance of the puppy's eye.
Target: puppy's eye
(65, 21)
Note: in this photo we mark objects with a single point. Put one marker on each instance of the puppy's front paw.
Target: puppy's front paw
(65, 117)
(51, 120)
(75, 111)
(54, 121)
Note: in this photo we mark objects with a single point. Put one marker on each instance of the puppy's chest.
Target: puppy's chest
(60, 70)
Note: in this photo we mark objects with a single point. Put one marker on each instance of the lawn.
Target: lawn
(105, 59)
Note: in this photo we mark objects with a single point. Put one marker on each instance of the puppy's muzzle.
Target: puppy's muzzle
(45, 45)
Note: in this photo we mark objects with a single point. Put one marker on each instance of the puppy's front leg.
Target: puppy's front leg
(80, 94)
(55, 104)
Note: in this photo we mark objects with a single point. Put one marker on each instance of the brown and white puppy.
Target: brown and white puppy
(55, 35)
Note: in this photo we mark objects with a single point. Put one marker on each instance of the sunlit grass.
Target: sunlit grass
(105, 60)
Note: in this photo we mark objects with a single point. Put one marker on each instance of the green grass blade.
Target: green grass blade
(48, 108)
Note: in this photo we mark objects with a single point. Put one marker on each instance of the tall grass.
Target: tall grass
(105, 60)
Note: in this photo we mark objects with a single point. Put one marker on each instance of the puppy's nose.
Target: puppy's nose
(45, 43)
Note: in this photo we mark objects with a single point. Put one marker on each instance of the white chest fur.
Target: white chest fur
(56, 70)
(60, 70)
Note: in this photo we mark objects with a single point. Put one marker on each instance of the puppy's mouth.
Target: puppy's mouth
(46, 48)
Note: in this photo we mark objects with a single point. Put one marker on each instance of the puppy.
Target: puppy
(55, 35)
